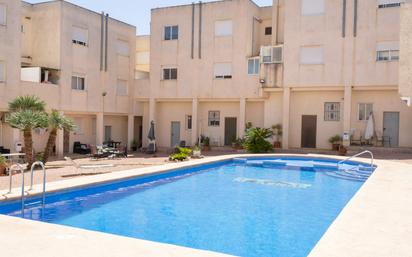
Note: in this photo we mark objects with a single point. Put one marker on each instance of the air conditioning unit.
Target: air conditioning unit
(271, 54)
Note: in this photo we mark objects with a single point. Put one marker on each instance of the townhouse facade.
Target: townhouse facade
(318, 67)
(79, 62)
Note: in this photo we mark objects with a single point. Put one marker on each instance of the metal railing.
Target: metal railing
(19, 167)
(44, 179)
(357, 155)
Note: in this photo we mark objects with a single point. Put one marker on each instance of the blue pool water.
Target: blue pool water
(244, 207)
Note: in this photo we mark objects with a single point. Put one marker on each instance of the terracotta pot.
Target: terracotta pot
(277, 144)
(335, 147)
(206, 148)
(2, 170)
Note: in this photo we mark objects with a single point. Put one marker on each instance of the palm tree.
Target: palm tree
(56, 121)
(27, 113)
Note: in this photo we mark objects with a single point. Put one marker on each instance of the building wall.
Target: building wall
(405, 63)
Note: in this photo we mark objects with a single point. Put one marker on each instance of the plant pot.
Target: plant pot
(277, 144)
(206, 148)
(335, 147)
(342, 150)
(134, 148)
(197, 153)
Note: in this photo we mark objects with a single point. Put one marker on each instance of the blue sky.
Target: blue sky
(135, 12)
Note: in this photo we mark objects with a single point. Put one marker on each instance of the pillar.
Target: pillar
(152, 110)
(286, 117)
(99, 128)
(195, 110)
(130, 130)
(242, 117)
(60, 141)
(347, 110)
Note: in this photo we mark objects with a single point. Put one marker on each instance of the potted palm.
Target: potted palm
(206, 144)
(3, 165)
(335, 141)
(197, 153)
(134, 145)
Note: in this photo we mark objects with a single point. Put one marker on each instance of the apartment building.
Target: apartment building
(79, 62)
(318, 67)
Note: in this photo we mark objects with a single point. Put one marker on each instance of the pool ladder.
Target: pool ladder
(19, 167)
(356, 155)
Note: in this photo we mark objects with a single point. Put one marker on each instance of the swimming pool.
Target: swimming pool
(244, 207)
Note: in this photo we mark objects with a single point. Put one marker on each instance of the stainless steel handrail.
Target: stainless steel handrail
(21, 169)
(41, 164)
(356, 155)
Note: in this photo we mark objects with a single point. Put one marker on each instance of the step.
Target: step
(274, 163)
(332, 174)
(239, 160)
(351, 174)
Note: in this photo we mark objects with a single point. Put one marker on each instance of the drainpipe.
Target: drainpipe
(200, 30)
(106, 41)
(101, 41)
(193, 31)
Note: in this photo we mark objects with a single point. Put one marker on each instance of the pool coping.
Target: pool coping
(339, 240)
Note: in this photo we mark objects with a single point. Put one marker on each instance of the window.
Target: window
(2, 71)
(169, 73)
(80, 36)
(223, 28)
(271, 54)
(253, 66)
(268, 31)
(123, 47)
(188, 122)
(387, 51)
(223, 70)
(313, 7)
(389, 3)
(3, 14)
(78, 83)
(364, 110)
(121, 89)
(332, 111)
(171, 32)
(214, 119)
(311, 55)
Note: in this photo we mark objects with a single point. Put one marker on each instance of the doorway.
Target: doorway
(309, 129)
(230, 130)
(391, 129)
(107, 133)
(175, 134)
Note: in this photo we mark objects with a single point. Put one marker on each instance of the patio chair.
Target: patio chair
(96, 154)
(354, 141)
(87, 167)
(121, 151)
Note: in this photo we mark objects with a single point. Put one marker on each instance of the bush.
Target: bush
(256, 140)
(181, 154)
(335, 139)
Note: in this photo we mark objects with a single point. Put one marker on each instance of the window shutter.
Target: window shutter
(381, 2)
(387, 45)
(223, 28)
(80, 35)
(313, 7)
(123, 48)
(3, 15)
(223, 69)
(2, 72)
(122, 87)
(311, 55)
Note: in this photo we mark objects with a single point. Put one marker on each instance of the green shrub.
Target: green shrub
(335, 139)
(256, 140)
(181, 154)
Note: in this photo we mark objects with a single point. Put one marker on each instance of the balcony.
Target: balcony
(40, 75)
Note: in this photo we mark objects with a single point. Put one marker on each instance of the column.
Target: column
(60, 141)
(347, 110)
(195, 107)
(99, 128)
(285, 117)
(130, 130)
(152, 110)
(242, 116)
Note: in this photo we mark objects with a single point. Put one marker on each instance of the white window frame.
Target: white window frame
(256, 66)
(307, 4)
(332, 108)
(387, 51)
(122, 91)
(169, 29)
(224, 28)
(3, 72)
(215, 120)
(318, 61)
(78, 77)
(223, 72)
(382, 4)
(123, 43)
(169, 77)
(4, 21)
(189, 121)
(78, 41)
(365, 114)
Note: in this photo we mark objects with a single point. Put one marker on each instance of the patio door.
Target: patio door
(175, 134)
(309, 129)
(107, 133)
(391, 129)
(230, 130)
